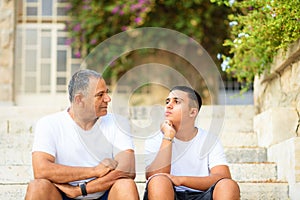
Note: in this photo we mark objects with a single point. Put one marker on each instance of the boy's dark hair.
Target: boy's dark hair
(193, 94)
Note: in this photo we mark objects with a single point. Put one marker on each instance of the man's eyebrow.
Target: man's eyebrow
(102, 92)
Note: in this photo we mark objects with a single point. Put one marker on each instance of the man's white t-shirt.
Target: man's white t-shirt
(192, 158)
(59, 136)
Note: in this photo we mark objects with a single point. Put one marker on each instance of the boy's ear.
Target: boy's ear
(193, 112)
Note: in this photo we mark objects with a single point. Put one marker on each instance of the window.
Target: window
(44, 61)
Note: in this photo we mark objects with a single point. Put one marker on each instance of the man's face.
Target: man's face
(97, 100)
(177, 106)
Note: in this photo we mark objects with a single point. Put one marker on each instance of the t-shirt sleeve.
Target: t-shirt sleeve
(217, 156)
(123, 137)
(44, 140)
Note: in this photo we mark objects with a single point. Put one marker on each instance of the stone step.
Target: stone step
(229, 112)
(16, 174)
(257, 172)
(264, 191)
(25, 112)
(13, 192)
(239, 139)
(245, 154)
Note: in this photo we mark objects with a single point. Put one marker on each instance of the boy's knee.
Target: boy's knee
(126, 184)
(227, 187)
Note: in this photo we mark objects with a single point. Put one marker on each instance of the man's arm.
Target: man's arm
(202, 183)
(125, 169)
(44, 167)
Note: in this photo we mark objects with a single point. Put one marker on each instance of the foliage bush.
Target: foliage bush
(260, 28)
(93, 21)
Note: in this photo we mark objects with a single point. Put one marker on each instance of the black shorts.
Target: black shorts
(189, 195)
(103, 197)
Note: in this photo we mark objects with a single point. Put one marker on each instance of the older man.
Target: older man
(81, 153)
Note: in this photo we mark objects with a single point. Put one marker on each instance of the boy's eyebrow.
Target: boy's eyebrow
(176, 98)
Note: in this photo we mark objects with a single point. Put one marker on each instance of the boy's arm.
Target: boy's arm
(202, 183)
(162, 161)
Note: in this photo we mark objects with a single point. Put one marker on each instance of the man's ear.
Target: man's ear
(78, 99)
(193, 112)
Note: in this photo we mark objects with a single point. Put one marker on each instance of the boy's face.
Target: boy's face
(177, 106)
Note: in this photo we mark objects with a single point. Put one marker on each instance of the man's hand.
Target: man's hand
(69, 190)
(168, 129)
(105, 166)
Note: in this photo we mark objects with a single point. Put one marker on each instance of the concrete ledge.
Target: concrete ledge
(245, 155)
(257, 172)
(264, 191)
(12, 192)
(16, 174)
(275, 125)
(287, 156)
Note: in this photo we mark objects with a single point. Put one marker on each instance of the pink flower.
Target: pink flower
(69, 41)
(138, 20)
(77, 27)
(78, 54)
(93, 41)
(124, 28)
(115, 10)
(68, 7)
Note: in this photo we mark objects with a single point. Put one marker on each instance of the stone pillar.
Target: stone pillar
(7, 32)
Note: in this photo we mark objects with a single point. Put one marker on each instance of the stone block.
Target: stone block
(16, 174)
(6, 38)
(294, 191)
(287, 156)
(238, 139)
(264, 191)
(275, 125)
(255, 172)
(245, 155)
(13, 192)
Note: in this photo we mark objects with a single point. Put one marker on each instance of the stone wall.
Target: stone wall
(277, 123)
(7, 31)
(281, 87)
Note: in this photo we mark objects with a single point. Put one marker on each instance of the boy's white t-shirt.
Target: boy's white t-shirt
(59, 136)
(192, 158)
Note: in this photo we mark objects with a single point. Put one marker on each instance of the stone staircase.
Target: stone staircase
(249, 164)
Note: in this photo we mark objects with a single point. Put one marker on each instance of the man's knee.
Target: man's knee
(41, 188)
(38, 185)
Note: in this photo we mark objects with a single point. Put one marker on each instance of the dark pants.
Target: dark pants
(103, 197)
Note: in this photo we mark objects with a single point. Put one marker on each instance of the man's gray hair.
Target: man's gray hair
(80, 82)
